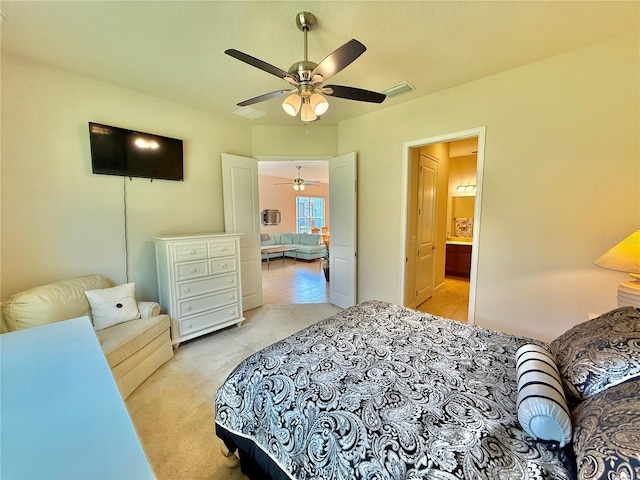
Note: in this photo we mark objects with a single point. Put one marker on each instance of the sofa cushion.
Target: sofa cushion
(295, 237)
(310, 239)
(110, 306)
(267, 239)
(124, 339)
(50, 303)
(286, 238)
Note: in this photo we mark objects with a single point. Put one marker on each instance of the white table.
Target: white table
(62, 414)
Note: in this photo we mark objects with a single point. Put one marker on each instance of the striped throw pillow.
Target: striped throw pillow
(542, 406)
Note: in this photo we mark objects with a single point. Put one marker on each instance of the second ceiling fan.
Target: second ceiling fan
(308, 77)
(299, 184)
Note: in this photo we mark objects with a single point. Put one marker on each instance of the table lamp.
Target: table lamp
(625, 257)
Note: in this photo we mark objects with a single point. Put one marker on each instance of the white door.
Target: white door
(342, 230)
(241, 215)
(425, 264)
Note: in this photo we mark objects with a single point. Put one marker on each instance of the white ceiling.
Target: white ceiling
(174, 49)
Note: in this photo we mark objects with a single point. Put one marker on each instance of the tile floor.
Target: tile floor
(451, 302)
(302, 282)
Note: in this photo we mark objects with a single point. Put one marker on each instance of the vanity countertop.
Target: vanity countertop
(459, 242)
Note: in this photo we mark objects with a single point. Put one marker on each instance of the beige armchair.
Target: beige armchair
(134, 349)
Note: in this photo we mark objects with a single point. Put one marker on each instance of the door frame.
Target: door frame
(479, 132)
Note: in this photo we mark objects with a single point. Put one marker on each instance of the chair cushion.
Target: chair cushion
(51, 303)
(124, 339)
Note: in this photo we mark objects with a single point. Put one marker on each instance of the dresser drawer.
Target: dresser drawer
(191, 251)
(187, 270)
(208, 319)
(195, 305)
(222, 249)
(221, 265)
(206, 285)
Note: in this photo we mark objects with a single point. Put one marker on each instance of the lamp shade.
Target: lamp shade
(307, 114)
(292, 104)
(318, 103)
(624, 257)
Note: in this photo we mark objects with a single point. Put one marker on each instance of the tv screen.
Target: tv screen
(118, 151)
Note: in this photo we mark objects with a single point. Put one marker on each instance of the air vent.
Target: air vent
(250, 113)
(399, 89)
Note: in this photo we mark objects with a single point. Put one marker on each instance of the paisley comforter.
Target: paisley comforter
(380, 391)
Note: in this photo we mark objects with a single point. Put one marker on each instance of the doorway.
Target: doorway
(459, 157)
(285, 281)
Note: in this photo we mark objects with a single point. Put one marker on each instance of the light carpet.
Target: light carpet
(173, 410)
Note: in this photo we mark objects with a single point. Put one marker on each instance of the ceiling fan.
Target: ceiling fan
(300, 184)
(308, 77)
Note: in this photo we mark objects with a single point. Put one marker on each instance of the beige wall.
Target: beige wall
(60, 220)
(283, 198)
(313, 140)
(561, 180)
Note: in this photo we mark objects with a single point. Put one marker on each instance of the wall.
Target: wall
(58, 219)
(304, 140)
(561, 184)
(283, 198)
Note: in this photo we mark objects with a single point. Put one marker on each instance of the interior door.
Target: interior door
(343, 228)
(425, 258)
(241, 215)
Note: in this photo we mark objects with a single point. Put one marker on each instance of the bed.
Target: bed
(380, 391)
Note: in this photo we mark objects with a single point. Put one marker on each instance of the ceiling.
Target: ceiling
(174, 49)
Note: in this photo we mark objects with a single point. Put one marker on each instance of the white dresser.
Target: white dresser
(199, 282)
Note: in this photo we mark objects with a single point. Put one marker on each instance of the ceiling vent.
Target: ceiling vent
(399, 89)
(250, 113)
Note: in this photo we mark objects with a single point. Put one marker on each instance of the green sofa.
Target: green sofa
(308, 245)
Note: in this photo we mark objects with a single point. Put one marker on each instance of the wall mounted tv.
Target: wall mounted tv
(118, 151)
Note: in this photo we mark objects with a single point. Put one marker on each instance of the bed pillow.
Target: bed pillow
(599, 353)
(542, 408)
(607, 429)
(110, 306)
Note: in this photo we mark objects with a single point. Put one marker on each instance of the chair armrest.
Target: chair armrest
(148, 309)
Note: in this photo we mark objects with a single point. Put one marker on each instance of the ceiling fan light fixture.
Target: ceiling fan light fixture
(306, 113)
(318, 103)
(292, 104)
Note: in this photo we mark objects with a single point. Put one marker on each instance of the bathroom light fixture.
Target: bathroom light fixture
(467, 187)
(625, 257)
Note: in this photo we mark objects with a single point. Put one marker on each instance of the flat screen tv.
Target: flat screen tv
(118, 151)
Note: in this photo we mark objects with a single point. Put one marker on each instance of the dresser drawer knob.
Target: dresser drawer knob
(232, 296)
(192, 252)
(188, 308)
(224, 265)
(187, 290)
(194, 270)
(189, 325)
(230, 280)
(224, 249)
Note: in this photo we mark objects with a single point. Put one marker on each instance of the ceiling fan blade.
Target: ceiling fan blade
(339, 59)
(256, 62)
(262, 98)
(352, 93)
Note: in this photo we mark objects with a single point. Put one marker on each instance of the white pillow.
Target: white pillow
(110, 306)
(542, 406)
